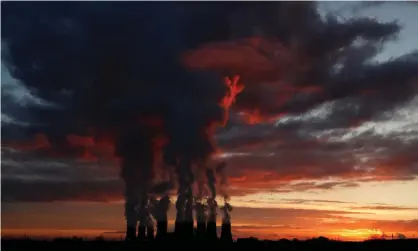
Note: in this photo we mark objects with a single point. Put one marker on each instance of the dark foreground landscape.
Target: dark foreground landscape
(240, 244)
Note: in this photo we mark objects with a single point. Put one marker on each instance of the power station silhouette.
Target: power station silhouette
(183, 230)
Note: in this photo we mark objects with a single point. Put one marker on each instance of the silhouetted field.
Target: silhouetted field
(78, 244)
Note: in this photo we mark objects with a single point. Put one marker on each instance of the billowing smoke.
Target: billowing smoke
(200, 208)
(124, 80)
(135, 147)
(227, 208)
(221, 172)
(157, 79)
(180, 207)
(159, 209)
(211, 182)
(212, 204)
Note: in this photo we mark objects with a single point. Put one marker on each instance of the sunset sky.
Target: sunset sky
(336, 169)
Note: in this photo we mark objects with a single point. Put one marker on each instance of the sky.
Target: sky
(344, 166)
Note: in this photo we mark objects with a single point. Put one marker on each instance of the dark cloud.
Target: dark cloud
(310, 146)
(260, 171)
(104, 68)
(49, 191)
(41, 180)
(28, 176)
(323, 43)
(356, 161)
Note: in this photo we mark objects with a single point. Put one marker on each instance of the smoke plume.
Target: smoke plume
(211, 182)
(135, 147)
(200, 211)
(220, 171)
(227, 208)
(157, 79)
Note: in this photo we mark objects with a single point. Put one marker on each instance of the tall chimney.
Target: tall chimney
(211, 230)
(130, 233)
(150, 233)
(188, 223)
(201, 230)
(131, 219)
(143, 214)
(211, 224)
(130, 224)
(141, 231)
(162, 229)
(150, 229)
(201, 220)
(181, 202)
(226, 232)
(161, 216)
(178, 225)
(178, 228)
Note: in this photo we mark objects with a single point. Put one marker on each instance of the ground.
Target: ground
(241, 244)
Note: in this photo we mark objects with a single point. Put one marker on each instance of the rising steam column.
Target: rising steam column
(201, 220)
(178, 225)
(161, 215)
(188, 214)
(226, 232)
(211, 225)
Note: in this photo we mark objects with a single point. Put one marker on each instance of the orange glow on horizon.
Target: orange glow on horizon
(240, 231)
